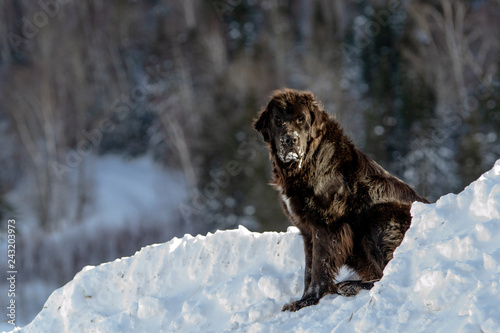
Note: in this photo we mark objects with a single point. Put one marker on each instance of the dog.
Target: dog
(349, 210)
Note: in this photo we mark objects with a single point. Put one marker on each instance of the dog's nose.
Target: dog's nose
(289, 140)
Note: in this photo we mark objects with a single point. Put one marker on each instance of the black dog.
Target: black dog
(349, 210)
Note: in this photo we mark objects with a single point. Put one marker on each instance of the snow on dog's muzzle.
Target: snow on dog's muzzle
(290, 147)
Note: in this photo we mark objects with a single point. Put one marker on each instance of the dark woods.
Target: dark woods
(181, 80)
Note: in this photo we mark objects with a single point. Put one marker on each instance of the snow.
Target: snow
(119, 189)
(134, 189)
(445, 277)
(122, 192)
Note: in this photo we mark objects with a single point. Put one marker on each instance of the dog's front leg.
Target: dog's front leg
(320, 270)
(308, 251)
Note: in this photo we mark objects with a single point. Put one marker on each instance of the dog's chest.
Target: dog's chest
(287, 204)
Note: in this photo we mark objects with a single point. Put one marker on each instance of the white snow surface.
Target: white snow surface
(445, 277)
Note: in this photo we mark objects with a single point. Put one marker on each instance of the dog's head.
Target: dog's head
(289, 122)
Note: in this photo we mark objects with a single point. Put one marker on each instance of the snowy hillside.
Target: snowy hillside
(120, 193)
(445, 277)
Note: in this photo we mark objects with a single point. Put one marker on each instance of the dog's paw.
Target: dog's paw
(352, 288)
(297, 305)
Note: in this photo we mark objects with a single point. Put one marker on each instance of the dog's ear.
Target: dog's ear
(318, 116)
(261, 124)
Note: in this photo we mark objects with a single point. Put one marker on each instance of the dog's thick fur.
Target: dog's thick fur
(349, 210)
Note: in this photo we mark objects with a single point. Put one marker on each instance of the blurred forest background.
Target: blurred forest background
(414, 83)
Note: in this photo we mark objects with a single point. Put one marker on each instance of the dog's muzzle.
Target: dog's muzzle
(290, 148)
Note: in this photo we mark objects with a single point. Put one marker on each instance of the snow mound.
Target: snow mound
(445, 276)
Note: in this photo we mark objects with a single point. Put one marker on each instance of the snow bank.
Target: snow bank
(444, 277)
(121, 191)
(202, 283)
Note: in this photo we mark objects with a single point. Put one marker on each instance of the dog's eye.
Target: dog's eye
(300, 119)
(277, 121)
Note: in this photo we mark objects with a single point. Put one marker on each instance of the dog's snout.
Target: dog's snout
(290, 139)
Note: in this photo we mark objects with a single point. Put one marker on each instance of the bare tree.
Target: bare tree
(49, 100)
(457, 41)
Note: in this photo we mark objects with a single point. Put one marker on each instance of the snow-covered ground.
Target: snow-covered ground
(445, 277)
(124, 193)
